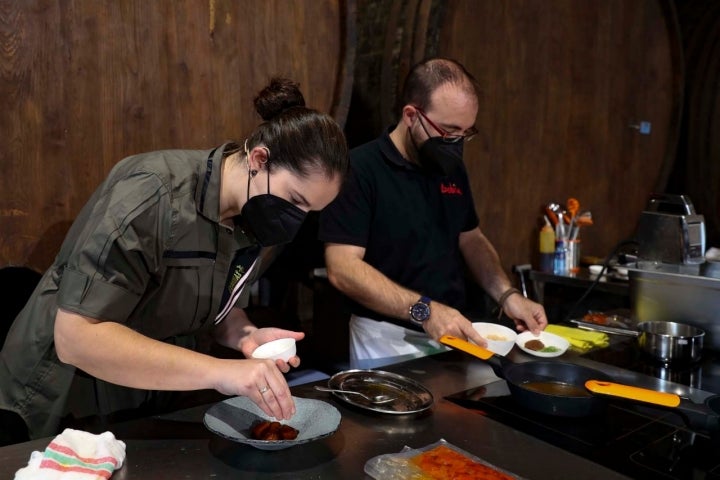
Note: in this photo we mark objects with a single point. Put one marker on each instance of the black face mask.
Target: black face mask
(441, 158)
(271, 219)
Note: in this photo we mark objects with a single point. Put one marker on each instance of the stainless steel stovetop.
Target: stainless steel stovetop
(639, 441)
(702, 375)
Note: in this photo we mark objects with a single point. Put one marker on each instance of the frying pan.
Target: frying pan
(549, 387)
(698, 416)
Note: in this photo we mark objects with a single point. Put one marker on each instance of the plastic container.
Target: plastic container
(560, 259)
(560, 266)
(547, 247)
(453, 461)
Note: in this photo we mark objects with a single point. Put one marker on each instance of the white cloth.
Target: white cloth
(75, 455)
(374, 343)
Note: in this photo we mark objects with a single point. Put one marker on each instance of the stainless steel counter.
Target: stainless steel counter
(582, 280)
(670, 293)
(178, 445)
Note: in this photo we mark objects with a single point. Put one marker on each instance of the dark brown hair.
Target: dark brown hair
(299, 138)
(425, 77)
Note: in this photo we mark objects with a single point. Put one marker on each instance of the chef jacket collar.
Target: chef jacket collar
(207, 192)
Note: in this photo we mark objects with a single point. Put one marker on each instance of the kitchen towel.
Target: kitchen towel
(75, 455)
(582, 340)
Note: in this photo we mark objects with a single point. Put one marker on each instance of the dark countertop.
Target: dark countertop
(179, 446)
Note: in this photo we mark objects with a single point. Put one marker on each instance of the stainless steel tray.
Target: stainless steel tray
(410, 396)
(612, 322)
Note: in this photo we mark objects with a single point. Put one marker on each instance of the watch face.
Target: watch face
(420, 312)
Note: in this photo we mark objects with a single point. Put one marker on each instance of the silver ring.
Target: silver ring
(263, 389)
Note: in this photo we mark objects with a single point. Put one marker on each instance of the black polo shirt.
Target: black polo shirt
(407, 220)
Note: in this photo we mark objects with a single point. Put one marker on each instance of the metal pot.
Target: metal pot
(671, 341)
(667, 342)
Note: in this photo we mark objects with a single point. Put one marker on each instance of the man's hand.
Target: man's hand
(445, 320)
(526, 314)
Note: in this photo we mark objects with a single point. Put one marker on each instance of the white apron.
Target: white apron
(375, 344)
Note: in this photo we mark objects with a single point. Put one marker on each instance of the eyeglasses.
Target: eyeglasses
(447, 136)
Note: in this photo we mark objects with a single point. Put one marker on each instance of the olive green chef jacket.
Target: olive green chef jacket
(146, 251)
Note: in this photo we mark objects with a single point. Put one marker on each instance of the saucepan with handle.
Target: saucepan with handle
(545, 386)
(668, 342)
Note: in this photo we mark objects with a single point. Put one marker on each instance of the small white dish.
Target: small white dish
(595, 269)
(500, 339)
(548, 339)
(281, 349)
(621, 271)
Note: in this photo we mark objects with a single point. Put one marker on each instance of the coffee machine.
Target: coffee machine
(670, 232)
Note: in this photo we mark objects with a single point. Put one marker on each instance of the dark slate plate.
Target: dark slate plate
(233, 418)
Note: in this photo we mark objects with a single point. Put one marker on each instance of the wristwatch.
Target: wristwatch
(420, 311)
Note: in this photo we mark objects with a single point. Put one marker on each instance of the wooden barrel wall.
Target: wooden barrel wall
(88, 82)
(564, 83)
(392, 36)
(698, 168)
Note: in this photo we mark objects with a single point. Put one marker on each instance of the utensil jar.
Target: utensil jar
(572, 257)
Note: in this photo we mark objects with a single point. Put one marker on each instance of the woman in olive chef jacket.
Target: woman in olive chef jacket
(164, 249)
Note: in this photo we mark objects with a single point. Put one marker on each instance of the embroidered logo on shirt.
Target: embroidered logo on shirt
(236, 276)
(241, 268)
(450, 189)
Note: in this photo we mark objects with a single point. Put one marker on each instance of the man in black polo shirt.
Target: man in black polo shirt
(397, 235)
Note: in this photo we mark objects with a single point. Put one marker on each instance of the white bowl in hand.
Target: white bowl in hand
(281, 349)
(500, 339)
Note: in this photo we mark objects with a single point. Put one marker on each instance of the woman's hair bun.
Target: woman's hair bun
(277, 97)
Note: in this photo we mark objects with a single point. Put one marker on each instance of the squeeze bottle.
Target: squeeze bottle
(547, 247)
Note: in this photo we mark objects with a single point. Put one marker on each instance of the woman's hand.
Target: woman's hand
(258, 337)
(138, 361)
(260, 381)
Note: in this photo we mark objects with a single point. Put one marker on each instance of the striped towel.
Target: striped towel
(75, 455)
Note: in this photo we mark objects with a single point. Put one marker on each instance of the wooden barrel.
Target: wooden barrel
(392, 37)
(566, 86)
(87, 83)
(698, 172)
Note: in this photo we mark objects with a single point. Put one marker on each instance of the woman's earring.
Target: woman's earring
(253, 173)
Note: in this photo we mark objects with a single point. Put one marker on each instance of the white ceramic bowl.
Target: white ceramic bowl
(500, 339)
(280, 349)
(622, 271)
(595, 269)
(548, 339)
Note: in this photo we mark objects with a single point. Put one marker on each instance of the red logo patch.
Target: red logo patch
(451, 189)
